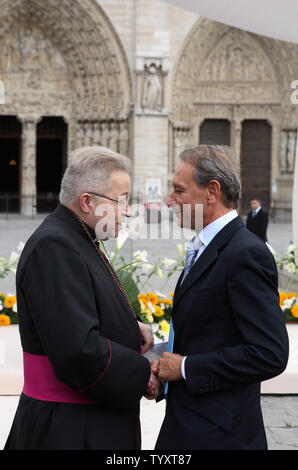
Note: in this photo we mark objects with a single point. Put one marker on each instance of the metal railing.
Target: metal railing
(30, 206)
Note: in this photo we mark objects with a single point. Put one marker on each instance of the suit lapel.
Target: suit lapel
(206, 259)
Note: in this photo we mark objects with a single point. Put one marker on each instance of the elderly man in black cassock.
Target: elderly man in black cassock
(84, 368)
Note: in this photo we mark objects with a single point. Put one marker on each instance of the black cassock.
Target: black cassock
(84, 373)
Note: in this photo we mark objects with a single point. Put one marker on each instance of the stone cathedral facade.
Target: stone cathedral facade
(147, 80)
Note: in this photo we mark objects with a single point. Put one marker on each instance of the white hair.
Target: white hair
(89, 169)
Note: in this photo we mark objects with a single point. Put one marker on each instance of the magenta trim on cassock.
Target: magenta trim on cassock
(103, 372)
(41, 383)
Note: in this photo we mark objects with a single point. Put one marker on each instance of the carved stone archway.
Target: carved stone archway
(225, 73)
(62, 60)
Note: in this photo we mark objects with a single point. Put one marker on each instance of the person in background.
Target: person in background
(257, 220)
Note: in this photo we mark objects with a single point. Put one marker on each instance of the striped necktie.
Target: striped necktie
(190, 259)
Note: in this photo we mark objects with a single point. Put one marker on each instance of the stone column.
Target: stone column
(28, 175)
(236, 134)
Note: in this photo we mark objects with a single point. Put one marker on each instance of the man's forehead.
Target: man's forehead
(183, 174)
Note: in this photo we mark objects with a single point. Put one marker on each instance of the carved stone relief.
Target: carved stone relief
(288, 150)
(113, 134)
(62, 61)
(237, 71)
(151, 83)
(225, 73)
(48, 47)
(152, 89)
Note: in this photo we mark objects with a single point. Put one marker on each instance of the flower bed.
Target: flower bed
(8, 310)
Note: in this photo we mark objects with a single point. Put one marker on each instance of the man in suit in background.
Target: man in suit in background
(257, 220)
(229, 330)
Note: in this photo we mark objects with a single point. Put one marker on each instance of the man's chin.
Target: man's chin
(183, 223)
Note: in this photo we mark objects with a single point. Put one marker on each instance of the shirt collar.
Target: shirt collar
(205, 236)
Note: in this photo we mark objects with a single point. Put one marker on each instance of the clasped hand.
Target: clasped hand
(168, 368)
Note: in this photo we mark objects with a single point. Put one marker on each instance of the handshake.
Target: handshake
(168, 369)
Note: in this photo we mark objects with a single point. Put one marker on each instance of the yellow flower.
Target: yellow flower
(166, 301)
(165, 326)
(282, 297)
(149, 316)
(180, 249)
(158, 311)
(143, 299)
(294, 311)
(10, 301)
(4, 320)
(153, 298)
(172, 294)
(291, 295)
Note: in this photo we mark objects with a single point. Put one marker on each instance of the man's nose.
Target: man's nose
(170, 201)
(128, 210)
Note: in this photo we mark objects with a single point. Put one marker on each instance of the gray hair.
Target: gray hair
(216, 162)
(89, 169)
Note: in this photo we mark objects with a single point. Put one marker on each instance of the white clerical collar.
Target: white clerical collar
(205, 236)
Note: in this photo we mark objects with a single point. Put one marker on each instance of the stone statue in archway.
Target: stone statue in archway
(152, 92)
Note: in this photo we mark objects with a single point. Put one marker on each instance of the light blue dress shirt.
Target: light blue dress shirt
(202, 240)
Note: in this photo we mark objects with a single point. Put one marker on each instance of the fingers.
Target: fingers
(154, 367)
(170, 367)
(147, 337)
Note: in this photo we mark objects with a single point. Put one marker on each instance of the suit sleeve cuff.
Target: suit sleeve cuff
(183, 367)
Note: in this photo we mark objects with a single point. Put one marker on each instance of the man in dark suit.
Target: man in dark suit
(229, 330)
(257, 220)
(84, 371)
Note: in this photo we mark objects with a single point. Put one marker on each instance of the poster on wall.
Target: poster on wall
(153, 193)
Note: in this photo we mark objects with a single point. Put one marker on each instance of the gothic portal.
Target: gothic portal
(67, 84)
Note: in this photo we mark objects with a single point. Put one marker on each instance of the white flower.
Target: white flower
(287, 303)
(20, 247)
(13, 258)
(150, 307)
(1, 305)
(141, 256)
(160, 273)
(291, 248)
(167, 263)
(161, 295)
(146, 267)
(15, 308)
(290, 267)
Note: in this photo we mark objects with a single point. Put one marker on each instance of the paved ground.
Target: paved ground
(280, 412)
(280, 417)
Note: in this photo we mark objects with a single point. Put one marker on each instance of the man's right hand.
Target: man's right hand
(154, 385)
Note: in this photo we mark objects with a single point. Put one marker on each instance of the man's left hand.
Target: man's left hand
(170, 367)
(147, 334)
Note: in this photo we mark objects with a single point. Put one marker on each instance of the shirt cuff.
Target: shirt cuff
(183, 367)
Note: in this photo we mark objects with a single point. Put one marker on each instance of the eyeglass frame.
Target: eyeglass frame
(107, 197)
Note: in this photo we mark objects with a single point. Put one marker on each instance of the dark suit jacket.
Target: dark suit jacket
(70, 311)
(258, 224)
(229, 324)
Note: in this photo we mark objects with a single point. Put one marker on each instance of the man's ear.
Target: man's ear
(84, 202)
(213, 191)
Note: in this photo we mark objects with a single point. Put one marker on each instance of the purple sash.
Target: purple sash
(41, 383)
